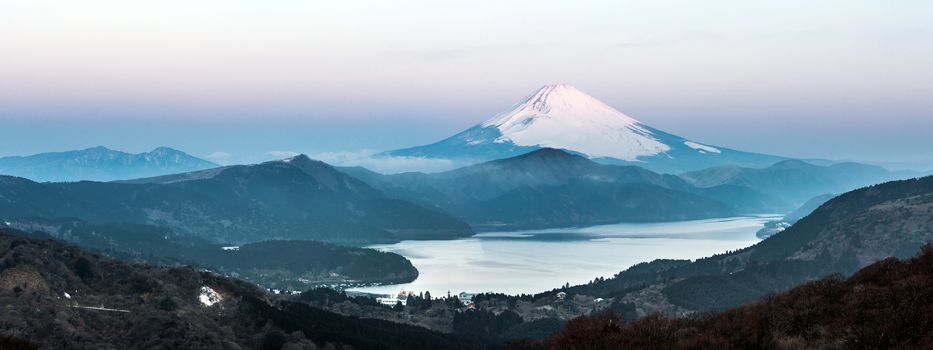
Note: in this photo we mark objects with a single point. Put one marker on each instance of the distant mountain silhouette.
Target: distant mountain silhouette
(793, 181)
(100, 164)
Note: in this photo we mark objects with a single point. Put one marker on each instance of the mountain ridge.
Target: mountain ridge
(100, 164)
(793, 181)
(549, 187)
(239, 204)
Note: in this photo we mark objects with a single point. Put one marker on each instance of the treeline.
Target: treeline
(361, 333)
(886, 305)
(328, 296)
(510, 299)
(424, 301)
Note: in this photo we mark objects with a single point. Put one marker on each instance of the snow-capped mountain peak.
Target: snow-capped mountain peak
(561, 116)
(561, 101)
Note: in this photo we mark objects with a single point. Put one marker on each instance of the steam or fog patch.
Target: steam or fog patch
(387, 165)
(219, 157)
(282, 154)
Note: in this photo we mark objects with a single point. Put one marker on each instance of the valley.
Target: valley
(849, 232)
(496, 252)
(509, 251)
(466, 175)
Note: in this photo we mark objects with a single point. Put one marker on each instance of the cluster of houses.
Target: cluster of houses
(402, 297)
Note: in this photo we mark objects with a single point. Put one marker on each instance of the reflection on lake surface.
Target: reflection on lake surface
(538, 260)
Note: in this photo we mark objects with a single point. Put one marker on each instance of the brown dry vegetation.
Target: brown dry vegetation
(112, 304)
(887, 305)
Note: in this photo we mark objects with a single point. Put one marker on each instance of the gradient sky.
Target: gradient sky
(247, 80)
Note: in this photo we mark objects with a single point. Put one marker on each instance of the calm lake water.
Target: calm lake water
(539, 260)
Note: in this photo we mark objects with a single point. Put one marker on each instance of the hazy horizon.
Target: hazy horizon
(846, 80)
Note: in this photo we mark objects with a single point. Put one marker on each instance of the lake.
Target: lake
(534, 261)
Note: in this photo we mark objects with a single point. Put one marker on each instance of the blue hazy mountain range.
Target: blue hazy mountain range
(562, 117)
(101, 164)
(554, 188)
(550, 188)
(793, 181)
(297, 198)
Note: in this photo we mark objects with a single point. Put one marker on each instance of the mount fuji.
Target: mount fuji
(563, 117)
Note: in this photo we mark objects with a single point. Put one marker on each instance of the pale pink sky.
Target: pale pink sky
(738, 73)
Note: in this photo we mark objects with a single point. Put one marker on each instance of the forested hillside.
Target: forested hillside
(285, 265)
(294, 199)
(58, 296)
(887, 305)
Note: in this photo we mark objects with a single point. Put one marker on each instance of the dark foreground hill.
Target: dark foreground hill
(293, 199)
(843, 235)
(59, 297)
(887, 305)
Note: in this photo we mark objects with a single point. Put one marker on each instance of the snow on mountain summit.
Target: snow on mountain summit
(560, 116)
(560, 101)
(563, 117)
